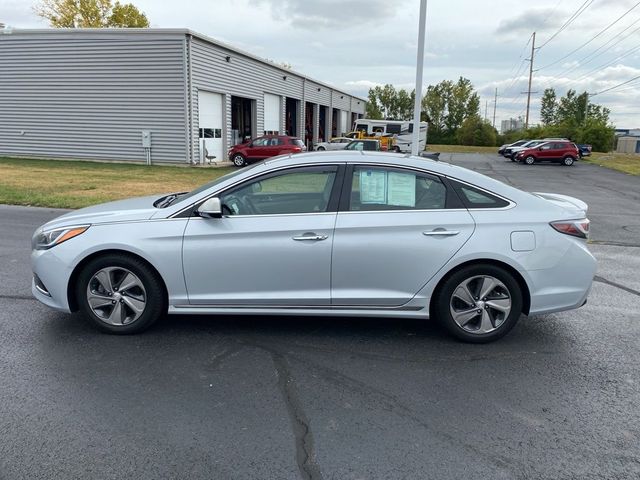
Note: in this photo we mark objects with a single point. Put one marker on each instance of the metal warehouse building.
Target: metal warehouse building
(163, 94)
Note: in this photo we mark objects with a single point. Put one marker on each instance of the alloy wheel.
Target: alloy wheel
(116, 296)
(480, 304)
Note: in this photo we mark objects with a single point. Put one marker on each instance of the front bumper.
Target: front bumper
(54, 277)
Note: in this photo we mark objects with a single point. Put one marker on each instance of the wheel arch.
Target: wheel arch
(524, 288)
(71, 290)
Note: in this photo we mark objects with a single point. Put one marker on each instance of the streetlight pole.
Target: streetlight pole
(415, 140)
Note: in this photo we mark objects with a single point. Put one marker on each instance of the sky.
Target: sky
(352, 47)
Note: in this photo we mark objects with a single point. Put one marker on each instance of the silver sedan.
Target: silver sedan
(345, 233)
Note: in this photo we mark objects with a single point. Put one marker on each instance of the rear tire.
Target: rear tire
(568, 161)
(530, 160)
(120, 294)
(321, 149)
(485, 299)
(239, 160)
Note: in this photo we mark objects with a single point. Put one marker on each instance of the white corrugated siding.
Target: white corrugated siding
(89, 96)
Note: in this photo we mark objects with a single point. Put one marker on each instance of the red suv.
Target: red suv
(562, 152)
(264, 147)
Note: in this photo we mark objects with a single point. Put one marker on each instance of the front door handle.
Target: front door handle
(310, 236)
(441, 233)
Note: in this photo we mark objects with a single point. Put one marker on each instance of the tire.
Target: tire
(239, 160)
(568, 161)
(513, 157)
(132, 309)
(320, 149)
(396, 149)
(530, 160)
(477, 322)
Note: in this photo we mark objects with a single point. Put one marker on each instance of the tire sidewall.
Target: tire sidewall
(155, 303)
(440, 304)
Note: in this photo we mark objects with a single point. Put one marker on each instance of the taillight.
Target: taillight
(576, 228)
(296, 149)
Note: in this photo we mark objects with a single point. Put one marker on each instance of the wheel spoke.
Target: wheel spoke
(117, 315)
(104, 277)
(463, 293)
(464, 316)
(488, 284)
(98, 301)
(501, 304)
(129, 281)
(486, 324)
(134, 304)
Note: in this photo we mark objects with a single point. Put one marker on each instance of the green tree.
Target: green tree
(373, 109)
(90, 14)
(476, 131)
(548, 109)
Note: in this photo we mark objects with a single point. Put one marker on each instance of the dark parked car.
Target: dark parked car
(371, 145)
(585, 149)
(562, 152)
(264, 147)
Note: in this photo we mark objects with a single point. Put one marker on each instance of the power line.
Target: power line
(591, 39)
(569, 21)
(615, 86)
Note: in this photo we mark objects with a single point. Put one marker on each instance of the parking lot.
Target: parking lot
(328, 398)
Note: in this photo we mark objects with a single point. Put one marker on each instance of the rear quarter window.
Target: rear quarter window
(473, 197)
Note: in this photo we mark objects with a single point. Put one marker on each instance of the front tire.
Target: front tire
(239, 160)
(530, 160)
(478, 303)
(320, 149)
(568, 161)
(120, 294)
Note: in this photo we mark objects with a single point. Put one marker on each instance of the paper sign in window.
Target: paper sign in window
(373, 186)
(401, 189)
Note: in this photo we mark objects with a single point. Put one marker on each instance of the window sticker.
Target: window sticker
(401, 189)
(373, 187)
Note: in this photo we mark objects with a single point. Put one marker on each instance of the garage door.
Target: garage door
(344, 126)
(271, 113)
(210, 125)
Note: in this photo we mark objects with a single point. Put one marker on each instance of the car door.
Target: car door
(393, 233)
(545, 151)
(272, 245)
(258, 149)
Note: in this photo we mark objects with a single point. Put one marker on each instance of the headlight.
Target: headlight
(45, 239)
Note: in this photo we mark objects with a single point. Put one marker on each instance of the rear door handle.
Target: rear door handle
(310, 237)
(441, 233)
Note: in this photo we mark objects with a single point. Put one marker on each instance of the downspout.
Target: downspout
(189, 87)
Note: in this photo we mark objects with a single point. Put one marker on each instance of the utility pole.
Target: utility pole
(533, 51)
(495, 104)
(486, 104)
(586, 107)
(415, 139)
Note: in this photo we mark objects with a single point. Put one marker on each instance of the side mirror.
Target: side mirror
(211, 208)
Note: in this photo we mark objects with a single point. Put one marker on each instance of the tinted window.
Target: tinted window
(260, 142)
(375, 188)
(475, 198)
(361, 127)
(393, 128)
(293, 191)
(377, 129)
(355, 146)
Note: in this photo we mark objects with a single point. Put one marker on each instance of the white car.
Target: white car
(337, 143)
(344, 233)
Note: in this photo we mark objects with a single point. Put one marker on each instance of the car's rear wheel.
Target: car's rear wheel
(120, 294)
(321, 149)
(530, 160)
(479, 303)
(568, 161)
(396, 149)
(239, 160)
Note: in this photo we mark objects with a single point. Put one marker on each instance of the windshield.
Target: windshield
(215, 182)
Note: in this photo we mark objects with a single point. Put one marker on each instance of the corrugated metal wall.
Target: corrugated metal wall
(89, 95)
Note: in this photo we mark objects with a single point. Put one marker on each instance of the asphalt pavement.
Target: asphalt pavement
(332, 398)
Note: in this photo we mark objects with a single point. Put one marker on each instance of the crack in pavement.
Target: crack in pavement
(18, 297)
(600, 279)
(305, 454)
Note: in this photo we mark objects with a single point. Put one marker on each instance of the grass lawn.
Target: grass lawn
(74, 184)
(624, 162)
(461, 149)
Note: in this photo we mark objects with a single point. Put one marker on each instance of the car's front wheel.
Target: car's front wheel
(321, 149)
(568, 161)
(120, 294)
(530, 160)
(239, 160)
(479, 303)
